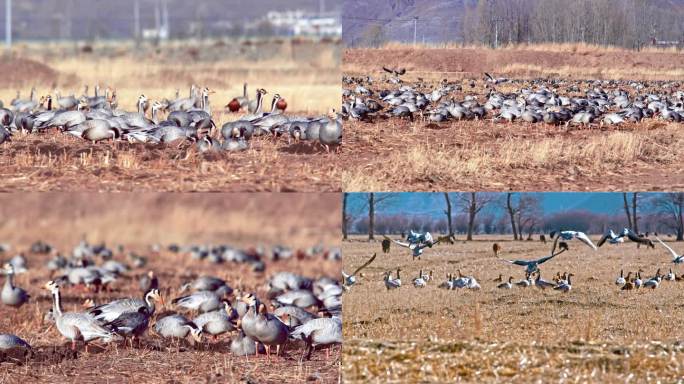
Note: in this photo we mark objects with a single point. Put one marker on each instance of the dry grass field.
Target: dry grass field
(594, 333)
(397, 154)
(306, 73)
(137, 221)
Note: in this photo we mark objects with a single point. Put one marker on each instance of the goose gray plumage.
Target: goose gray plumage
(11, 295)
(77, 326)
(113, 310)
(177, 326)
(217, 322)
(8, 341)
(243, 345)
(203, 301)
(321, 331)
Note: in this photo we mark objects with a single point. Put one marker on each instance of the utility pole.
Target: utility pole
(8, 24)
(415, 29)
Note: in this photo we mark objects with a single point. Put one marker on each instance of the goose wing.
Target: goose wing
(389, 70)
(489, 77)
(404, 244)
(581, 236)
(364, 265)
(608, 234)
(674, 254)
(522, 263)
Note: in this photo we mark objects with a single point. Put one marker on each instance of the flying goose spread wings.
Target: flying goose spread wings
(675, 257)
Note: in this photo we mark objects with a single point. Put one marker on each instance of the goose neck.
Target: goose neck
(56, 303)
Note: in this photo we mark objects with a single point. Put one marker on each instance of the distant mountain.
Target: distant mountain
(84, 19)
(438, 20)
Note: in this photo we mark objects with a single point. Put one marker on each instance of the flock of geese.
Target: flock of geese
(416, 242)
(550, 101)
(176, 120)
(304, 308)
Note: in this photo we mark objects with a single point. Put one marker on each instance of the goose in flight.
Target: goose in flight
(569, 235)
(677, 259)
(638, 239)
(416, 248)
(394, 71)
(612, 237)
(349, 280)
(532, 266)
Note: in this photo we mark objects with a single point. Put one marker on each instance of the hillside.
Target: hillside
(443, 20)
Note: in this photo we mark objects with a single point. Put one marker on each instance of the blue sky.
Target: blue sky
(433, 203)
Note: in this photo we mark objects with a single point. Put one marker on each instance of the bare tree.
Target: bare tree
(472, 203)
(629, 215)
(511, 213)
(671, 206)
(373, 203)
(529, 214)
(345, 216)
(447, 212)
(634, 212)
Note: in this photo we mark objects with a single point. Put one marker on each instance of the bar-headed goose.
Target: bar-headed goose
(77, 326)
(113, 310)
(267, 328)
(202, 301)
(322, 331)
(621, 279)
(216, 322)
(177, 326)
(11, 295)
(8, 341)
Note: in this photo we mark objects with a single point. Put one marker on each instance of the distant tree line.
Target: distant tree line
(626, 23)
(518, 214)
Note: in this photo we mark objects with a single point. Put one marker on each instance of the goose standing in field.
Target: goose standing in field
(541, 283)
(216, 322)
(243, 345)
(133, 324)
(621, 279)
(349, 280)
(391, 283)
(498, 279)
(565, 285)
(322, 331)
(532, 266)
(637, 281)
(569, 235)
(676, 259)
(653, 282)
(419, 282)
(111, 311)
(239, 102)
(526, 282)
(8, 341)
(628, 286)
(177, 327)
(265, 327)
(11, 295)
(507, 284)
(76, 326)
(330, 134)
(670, 276)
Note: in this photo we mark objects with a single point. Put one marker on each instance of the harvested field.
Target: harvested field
(389, 153)
(305, 73)
(594, 333)
(138, 221)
